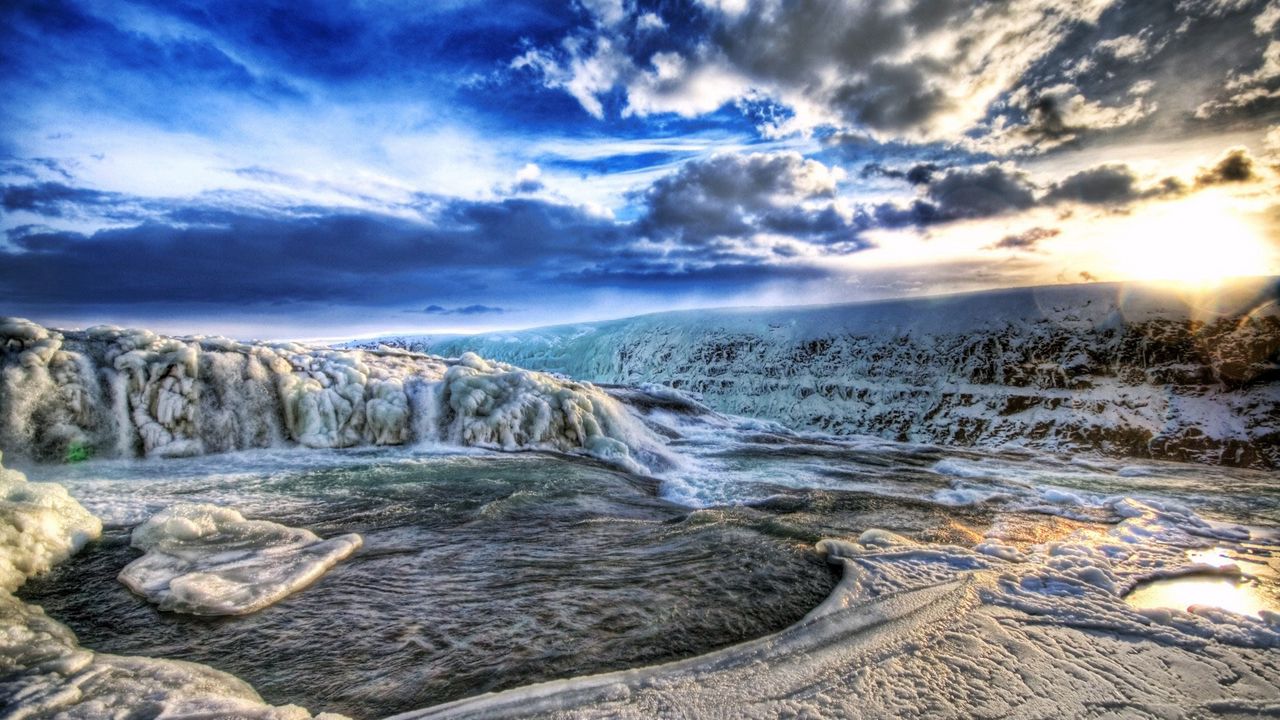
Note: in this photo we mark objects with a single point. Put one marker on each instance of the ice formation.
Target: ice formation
(209, 560)
(40, 526)
(1125, 370)
(44, 673)
(129, 393)
(944, 631)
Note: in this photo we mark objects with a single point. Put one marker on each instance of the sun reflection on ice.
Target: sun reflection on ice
(1234, 593)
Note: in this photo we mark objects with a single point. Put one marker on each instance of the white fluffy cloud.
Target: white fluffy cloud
(920, 70)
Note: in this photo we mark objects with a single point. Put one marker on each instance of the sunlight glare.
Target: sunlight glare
(1198, 242)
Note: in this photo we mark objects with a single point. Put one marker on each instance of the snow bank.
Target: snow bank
(44, 673)
(208, 560)
(131, 393)
(1127, 370)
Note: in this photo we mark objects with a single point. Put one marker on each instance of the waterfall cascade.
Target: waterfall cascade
(108, 391)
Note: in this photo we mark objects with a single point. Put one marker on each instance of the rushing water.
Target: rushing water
(480, 572)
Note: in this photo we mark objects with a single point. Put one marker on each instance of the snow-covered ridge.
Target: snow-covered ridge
(1122, 369)
(112, 392)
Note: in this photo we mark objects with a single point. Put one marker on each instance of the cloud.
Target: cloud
(50, 198)
(995, 189)
(527, 181)
(1258, 89)
(918, 174)
(1235, 166)
(915, 69)
(199, 252)
(1111, 184)
(980, 192)
(1142, 70)
(1026, 76)
(743, 195)
(1060, 113)
(1027, 239)
(464, 310)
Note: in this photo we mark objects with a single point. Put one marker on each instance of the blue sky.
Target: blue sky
(322, 169)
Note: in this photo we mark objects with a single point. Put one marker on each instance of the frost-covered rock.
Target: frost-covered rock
(500, 406)
(1121, 369)
(209, 560)
(126, 393)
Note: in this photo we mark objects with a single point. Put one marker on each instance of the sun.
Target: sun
(1197, 242)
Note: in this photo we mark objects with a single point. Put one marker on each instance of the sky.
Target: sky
(329, 169)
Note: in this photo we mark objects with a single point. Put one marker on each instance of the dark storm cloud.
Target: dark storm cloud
(202, 254)
(918, 174)
(736, 196)
(1027, 239)
(980, 192)
(997, 189)
(1114, 184)
(192, 253)
(1235, 166)
(51, 199)
(957, 194)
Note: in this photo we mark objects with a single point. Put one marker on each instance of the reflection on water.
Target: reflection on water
(1229, 593)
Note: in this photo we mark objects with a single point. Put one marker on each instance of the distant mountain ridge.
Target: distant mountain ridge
(1122, 369)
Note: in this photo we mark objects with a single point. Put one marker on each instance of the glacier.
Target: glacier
(1119, 369)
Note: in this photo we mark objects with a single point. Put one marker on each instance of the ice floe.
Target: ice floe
(210, 560)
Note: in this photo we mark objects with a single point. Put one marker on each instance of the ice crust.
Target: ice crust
(209, 560)
(942, 631)
(1127, 370)
(44, 673)
(131, 393)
